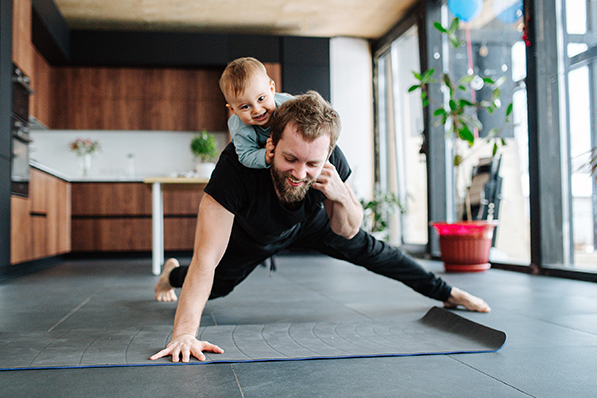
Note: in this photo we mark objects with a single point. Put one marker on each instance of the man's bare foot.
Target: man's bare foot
(163, 290)
(468, 301)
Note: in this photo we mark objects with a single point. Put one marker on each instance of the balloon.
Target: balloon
(507, 11)
(465, 10)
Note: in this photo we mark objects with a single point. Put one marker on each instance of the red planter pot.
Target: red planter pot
(465, 245)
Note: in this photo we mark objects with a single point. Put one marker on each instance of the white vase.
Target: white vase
(205, 169)
(85, 164)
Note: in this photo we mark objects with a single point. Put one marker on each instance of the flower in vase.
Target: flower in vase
(84, 146)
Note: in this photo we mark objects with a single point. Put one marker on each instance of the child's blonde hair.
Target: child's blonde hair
(237, 75)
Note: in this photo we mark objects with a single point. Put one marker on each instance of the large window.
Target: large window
(579, 27)
(493, 46)
(403, 169)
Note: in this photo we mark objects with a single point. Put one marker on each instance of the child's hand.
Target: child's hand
(269, 151)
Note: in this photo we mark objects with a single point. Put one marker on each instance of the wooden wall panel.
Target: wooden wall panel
(138, 99)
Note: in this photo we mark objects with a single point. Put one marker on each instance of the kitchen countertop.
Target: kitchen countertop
(68, 178)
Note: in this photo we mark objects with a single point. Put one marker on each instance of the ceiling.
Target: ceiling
(323, 18)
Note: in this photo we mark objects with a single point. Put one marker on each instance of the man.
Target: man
(302, 201)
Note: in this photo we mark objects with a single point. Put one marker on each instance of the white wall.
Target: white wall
(156, 153)
(352, 97)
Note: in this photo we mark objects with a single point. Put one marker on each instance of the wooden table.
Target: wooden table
(157, 215)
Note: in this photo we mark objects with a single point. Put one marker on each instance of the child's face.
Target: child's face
(255, 106)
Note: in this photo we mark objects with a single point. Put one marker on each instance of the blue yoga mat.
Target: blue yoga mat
(438, 332)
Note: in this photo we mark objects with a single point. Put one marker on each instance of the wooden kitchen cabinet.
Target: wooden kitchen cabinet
(21, 242)
(41, 223)
(167, 99)
(116, 216)
(22, 47)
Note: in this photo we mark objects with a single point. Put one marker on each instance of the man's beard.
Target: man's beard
(290, 196)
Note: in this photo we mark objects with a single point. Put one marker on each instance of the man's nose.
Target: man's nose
(300, 172)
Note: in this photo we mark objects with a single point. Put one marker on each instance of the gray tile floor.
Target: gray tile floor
(551, 326)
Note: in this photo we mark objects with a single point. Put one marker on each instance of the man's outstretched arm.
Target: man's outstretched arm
(214, 224)
(343, 209)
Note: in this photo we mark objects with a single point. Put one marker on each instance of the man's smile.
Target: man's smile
(295, 183)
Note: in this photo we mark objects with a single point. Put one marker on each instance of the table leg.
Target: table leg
(157, 219)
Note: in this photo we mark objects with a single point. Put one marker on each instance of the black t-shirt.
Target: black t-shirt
(249, 194)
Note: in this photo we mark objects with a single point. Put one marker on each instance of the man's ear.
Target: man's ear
(272, 86)
(230, 109)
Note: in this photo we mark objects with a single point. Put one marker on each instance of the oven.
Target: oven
(21, 90)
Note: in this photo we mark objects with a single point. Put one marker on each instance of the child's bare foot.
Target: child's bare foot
(163, 290)
(467, 300)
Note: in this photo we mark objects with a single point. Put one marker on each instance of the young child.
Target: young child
(251, 95)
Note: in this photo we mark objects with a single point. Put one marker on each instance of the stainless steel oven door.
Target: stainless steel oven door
(20, 166)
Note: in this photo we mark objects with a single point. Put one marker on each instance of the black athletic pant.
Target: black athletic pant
(245, 252)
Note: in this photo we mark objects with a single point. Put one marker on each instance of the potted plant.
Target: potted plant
(204, 148)
(464, 245)
(378, 212)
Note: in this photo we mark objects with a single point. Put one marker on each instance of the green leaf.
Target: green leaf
(439, 27)
(504, 143)
(413, 88)
(488, 80)
(471, 121)
(457, 160)
(454, 40)
(493, 132)
(509, 109)
(439, 112)
(495, 148)
(490, 109)
(417, 75)
(467, 79)
(425, 102)
(447, 81)
(462, 88)
(453, 105)
(463, 103)
(501, 81)
(454, 25)
(465, 134)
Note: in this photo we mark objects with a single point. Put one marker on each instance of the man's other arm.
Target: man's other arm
(343, 208)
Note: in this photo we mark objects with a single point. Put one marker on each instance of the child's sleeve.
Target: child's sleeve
(244, 138)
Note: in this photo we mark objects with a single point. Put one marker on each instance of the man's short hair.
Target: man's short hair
(312, 116)
(238, 74)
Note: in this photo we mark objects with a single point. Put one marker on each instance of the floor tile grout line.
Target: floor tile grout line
(490, 376)
(237, 382)
(77, 308)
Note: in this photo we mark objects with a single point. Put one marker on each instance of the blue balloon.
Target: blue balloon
(507, 11)
(465, 10)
